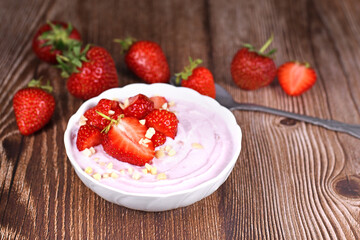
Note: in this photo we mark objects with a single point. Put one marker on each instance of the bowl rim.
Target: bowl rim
(236, 133)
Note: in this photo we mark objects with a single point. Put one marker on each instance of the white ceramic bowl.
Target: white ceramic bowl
(158, 201)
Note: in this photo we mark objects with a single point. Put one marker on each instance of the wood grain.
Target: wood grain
(292, 180)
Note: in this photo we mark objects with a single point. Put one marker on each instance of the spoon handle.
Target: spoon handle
(351, 129)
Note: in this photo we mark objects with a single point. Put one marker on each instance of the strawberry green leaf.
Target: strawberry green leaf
(125, 43)
(72, 59)
(184, 75)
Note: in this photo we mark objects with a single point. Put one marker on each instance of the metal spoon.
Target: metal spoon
(225, 99)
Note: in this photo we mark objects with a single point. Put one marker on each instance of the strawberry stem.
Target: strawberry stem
(263, 48)
(184, 75)
(125, 43)
(267, 44)
(37, 83)
(112, 121)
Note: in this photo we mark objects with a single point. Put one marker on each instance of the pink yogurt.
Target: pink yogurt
(186, 169)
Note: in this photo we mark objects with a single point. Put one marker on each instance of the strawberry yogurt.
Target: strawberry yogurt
(199, 152)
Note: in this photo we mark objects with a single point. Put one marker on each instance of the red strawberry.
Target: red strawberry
(296, 78)
(158, 101)
(146, 59)
(88, 136)
(90, 71)
(163, 121)
(33, 107)
(52, 38)
(108, 107)
(198, 78)
(158, 139)
(251, 69)
(139, 106)
(123, 142)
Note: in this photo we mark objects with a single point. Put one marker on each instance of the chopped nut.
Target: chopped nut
(153, 171)
(136, 176)
(96, 159)
(172, 152)
(142, 142)
(106, 175)
(145, 171)
(111, 112)
(122, 172)
(196, 145)
(97, 176)
(148, 166)
(92, 150)
(110, 165)
(82, 120)
(130, 170)
(159, 153)
(164, 106)
(161, 176)
(142, 121)
(114, 175)
(87, 152)
(124, 104)
(102, 163)
(88, 170)
(172, 103)
(168, 148)
(150, 132)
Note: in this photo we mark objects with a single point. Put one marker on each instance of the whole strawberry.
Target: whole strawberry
(163, 121)
(296, 78)
(252, 69)
(198, 78)
(139, 106)
(90, 71)
(88, 136)
(33, 107)
(108, 107)
(146, 60)
(53, 38)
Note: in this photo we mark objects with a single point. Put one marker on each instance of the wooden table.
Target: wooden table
(292, 180)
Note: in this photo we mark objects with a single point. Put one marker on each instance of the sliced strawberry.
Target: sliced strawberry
(124, 142)
(158, 101)
(163, 121)
(108, 107)
(158, 139)
(88, 136)
(296, 78)
(139, 106)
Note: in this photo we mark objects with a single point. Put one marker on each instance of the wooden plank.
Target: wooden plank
(292, 180)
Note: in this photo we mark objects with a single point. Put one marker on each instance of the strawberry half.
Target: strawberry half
(198, 78)
(163, 121)
(295, 78)
(139, 106)
(33, 107)
(158, 101)
(123, 142)
(108, 107)
(88, 136)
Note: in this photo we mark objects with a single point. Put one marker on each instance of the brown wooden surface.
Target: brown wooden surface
(292, 180)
